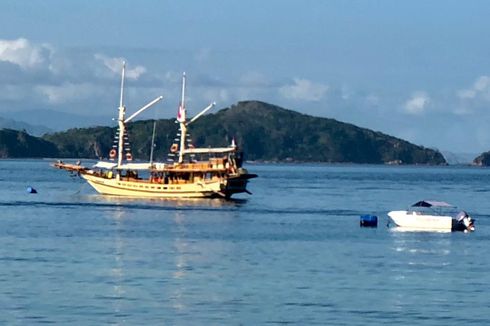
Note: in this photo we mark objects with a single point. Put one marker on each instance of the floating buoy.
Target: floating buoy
(31, 190)
(369, 221)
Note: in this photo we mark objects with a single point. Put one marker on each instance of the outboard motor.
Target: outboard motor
(463, 222)
(469, 224)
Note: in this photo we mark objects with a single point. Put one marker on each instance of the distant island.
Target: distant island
(19, 144)
(482, 159)
(265, 132)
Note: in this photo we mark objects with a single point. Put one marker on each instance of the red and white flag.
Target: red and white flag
(181, 114)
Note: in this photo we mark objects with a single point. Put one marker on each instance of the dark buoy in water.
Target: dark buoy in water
(31, 190)
(369, 221)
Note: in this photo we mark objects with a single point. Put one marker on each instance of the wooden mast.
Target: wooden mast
(120, 121)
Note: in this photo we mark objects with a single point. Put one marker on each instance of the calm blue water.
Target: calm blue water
(293, 253)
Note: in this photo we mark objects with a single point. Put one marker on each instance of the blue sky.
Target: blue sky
(419, 70)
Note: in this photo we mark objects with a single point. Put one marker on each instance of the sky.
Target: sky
(418, 70)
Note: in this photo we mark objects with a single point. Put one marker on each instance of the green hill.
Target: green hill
(264, 132)
(482, 159)
(17, 144)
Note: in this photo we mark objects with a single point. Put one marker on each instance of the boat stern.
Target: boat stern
(237, 183)
(463, 222)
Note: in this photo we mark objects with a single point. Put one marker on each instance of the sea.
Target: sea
(291, 253)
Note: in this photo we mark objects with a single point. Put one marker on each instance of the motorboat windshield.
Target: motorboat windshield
(431, 203)
(438, 208)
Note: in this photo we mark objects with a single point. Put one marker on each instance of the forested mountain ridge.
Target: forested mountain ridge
(19, 144)
(264, 132)
(483, 159)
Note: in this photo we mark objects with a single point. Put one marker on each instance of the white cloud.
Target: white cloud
(172, 77)
(219, 95)
(480, 88)
(466, 94)
(254, 79)
(23, 53)
(68, 79)
(417, 104)
(482, 84)
(304, 89)
(475, 97)
(345, 93)
(68, 92)
(115, 66)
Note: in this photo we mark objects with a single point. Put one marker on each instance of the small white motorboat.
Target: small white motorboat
(433, 215)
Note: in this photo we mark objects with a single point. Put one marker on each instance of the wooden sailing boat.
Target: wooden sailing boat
(194, 172)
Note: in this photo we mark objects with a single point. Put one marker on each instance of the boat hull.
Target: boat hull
(415, 221)
(223, 188)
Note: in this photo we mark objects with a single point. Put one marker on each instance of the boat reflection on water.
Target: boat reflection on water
(117, 273)
(176, 257)
(166, 202)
